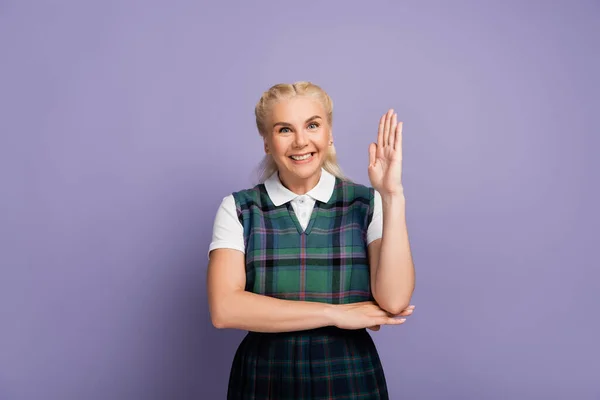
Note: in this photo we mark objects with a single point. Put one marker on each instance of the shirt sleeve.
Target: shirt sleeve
(228, 232)
(375, 229)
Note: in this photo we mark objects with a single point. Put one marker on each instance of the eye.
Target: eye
(284, 130)
(313, 125)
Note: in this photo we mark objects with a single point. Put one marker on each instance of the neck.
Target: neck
(300, 185)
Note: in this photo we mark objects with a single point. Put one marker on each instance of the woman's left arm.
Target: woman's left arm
(390, 258)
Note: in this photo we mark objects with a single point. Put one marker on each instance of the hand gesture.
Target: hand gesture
(385, 157)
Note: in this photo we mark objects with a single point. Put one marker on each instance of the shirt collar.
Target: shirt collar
(279, 194)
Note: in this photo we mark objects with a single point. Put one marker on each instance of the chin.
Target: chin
(305, 173)
(304, 170)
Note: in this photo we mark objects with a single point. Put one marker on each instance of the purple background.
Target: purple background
(124, 124)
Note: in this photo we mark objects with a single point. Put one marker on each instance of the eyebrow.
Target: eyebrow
(287, 124)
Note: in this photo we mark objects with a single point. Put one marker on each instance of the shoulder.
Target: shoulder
(244, 197)
(353, 191)
(232, 204)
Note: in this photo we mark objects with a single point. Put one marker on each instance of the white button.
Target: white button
(301, 200)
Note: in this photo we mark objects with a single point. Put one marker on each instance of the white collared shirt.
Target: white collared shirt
(228, 231)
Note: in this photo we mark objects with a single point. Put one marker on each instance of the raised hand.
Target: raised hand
(385, 157)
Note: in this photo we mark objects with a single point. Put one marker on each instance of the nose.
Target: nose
(300, 139)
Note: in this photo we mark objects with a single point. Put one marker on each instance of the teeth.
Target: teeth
(300, 158)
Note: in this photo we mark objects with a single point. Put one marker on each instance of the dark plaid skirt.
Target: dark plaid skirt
(319, 364)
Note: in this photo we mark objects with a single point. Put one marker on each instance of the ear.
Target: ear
(266, 146)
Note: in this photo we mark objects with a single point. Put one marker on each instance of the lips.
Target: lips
(301, 157)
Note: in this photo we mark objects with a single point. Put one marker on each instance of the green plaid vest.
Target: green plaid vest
(327, 262)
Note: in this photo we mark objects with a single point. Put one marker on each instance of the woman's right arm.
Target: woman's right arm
(231, 306)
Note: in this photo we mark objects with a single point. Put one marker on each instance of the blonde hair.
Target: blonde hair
(283, 91)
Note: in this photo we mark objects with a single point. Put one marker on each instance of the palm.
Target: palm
(385, 157)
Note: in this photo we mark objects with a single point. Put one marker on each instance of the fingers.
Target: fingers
(387, 321)
(390, 131)
(387, 126)
(407, 311)
(374, 316)
(393, 125)
(380, 132)
(398, 137)
(391, 321)
(372, 153)
(378, 311)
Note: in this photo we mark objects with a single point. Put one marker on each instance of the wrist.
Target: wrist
(395, 192)
(393, 198)
(331, 312)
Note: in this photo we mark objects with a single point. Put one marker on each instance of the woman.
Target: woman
(306, 260)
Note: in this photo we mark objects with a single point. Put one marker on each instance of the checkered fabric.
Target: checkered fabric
(327, 263)
(320, 364)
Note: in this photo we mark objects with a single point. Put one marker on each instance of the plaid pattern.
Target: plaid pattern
(320, 364)
(327, 263)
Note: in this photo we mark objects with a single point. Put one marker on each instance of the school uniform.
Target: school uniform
(310, 247)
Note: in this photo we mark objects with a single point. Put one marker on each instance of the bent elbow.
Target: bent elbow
(223, 312)
(218, 318)
(218, 323)
(393, 306)
(393, 303)
(396, 309)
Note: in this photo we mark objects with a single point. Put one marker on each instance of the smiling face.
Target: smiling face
(298, 141)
